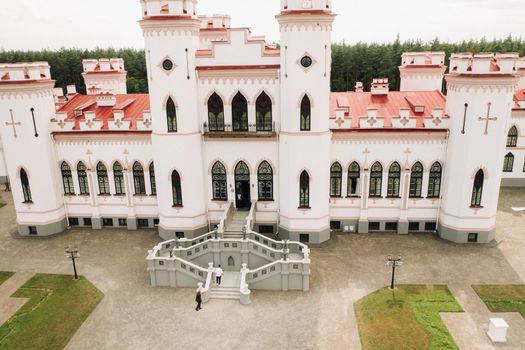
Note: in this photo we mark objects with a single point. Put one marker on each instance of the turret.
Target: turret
(479, 101)
(104, 76)
(26, 107)
(422, 71)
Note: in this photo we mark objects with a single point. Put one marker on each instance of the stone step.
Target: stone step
(225, 297)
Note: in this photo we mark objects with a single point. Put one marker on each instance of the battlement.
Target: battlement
(484, 63)
(24, 72)
(103, 65)
(306, 5)
(168, 8)
(423, 59)
(215, 22)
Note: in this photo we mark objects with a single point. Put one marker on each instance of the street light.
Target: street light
(394, 263)
(72, 253)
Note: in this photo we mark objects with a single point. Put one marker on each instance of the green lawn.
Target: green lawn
(4, 276)
(502, 298)
(57, 307)
(407, 319)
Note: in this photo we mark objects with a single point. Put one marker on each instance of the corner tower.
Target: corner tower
(305, 137)
(422, 71)
(171, 33)
(479, 102)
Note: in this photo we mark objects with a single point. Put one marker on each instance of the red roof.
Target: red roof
(133, 105)
(519, 96)
(357, 104)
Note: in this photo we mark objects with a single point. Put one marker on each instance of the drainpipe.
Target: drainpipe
(443, 181)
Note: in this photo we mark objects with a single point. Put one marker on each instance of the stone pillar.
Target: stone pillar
(284, 276)
(245, 252)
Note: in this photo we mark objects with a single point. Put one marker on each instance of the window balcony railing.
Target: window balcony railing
(228, 131)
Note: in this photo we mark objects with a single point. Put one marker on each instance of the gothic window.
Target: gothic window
(263, 108)
(138, 179)
(354, 173)
(508, 164)
(304, 190)
(118, 175)
(376, 180)
(242, 172)
(152, 180)
(176, 189)
(336, 176)
(240, 113)
(219, 184)
(171, 115)
(82, 179)
(103, 180)
(394, 180)
(512, 139)
(26, 190)
(416, 180)
(306, 111)
(67, 179)
(477, 190)
(265, 180)
(215, 113)
(434, 181)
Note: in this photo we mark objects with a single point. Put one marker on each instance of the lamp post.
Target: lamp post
(394, 262)
(72, 253)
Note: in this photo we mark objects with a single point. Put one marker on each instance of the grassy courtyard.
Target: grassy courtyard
(502, 298)
(57, 307)
(407, 319)
(4, 276)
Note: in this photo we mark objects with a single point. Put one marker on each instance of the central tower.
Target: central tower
(305, 137)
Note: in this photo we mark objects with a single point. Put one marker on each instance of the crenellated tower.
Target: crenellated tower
(422, 71)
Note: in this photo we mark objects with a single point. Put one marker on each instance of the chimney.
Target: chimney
(71, 90)
(380, 87)
(359, 86)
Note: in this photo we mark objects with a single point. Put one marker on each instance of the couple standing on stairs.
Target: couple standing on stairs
(198, 298)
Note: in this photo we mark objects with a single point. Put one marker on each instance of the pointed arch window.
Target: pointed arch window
(82, 179)
(394, 180)
(376, 180)
(416, 180)
(240, 113)
(306, 112)
(304, 190)
(176, 189)
(354, 174)
(434, 181)
(67, 179)
(336, 177)
(508, 164)
(103, 180)
(26, 189)
(152, 180)
(215, 113)
(477, 190)
(118, 175)
(265, 181)
(138, 179)
(512, 138)
(171, 115)
(263, 108)
(219, 182)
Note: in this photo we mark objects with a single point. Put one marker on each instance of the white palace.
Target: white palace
(232, 123)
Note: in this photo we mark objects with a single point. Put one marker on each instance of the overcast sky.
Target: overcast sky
(37, 24)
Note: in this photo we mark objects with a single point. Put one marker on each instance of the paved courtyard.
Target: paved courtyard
(135, 316)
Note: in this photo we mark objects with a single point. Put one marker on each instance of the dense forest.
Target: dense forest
(351, 63)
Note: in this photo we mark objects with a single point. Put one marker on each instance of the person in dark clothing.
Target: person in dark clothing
(198, 299)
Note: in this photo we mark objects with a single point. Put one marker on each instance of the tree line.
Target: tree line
(350, 63)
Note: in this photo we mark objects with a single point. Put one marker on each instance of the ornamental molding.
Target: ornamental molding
(320, 22)
(236, 80)
(14, 92)
(102, 140)
(152, 28)
(382, 139)
(496, 84)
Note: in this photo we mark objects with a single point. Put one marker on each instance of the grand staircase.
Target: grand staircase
(234, 225)
(229, 288)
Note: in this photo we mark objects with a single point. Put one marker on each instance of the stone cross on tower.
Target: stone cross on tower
(488, 118)
(13, 123)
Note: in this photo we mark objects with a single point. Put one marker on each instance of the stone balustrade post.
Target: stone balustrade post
(244, 290)
(284, 276)
(245, 251)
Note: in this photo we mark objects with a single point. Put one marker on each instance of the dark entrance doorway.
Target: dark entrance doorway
(242, 186)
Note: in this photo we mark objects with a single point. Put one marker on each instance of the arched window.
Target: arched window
(67, 179)
(82, 179)
(176, 188)
(103, 180)
(336, 177)
(508, 164)
(152, 180)
(218, 176)
(512, 139)
(394, 180)
(263, 108)
(304, 190)
(434, 181)
(416, 180)
(306, 112)
(118, 175)
(138, 179)
(376, 180)
(215, 113)
(265, 180)
(171, 115)
(354, 174)
(240, 113)
(477, 190)
(26, 189)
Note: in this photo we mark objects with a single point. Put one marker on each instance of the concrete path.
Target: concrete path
(8, 305)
